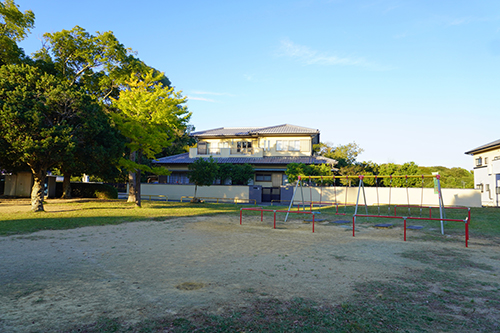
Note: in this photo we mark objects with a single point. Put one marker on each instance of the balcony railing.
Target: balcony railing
(210, 151)
(225, 152)
(239, 151)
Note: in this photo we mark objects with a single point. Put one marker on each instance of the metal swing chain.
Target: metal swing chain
(345, 201)
(321, 191)
(422, 196)
(390, 188)
(408, 197)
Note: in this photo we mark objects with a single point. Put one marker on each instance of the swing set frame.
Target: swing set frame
(361, 190)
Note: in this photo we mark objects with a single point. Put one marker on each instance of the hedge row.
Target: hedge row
(89, 190)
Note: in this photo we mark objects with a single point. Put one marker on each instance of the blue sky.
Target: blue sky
(408, 80)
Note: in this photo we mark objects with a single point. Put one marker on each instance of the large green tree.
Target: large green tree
(294, 170)
(241, 174)
(98, 148)
(344, 154)
(98, 62)
(148, 114)
(202, 172)
(100, 65)
(14, 27)
(37, 117)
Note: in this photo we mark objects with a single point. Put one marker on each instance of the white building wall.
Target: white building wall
(175, 192)
(397, 196)
(394, 196)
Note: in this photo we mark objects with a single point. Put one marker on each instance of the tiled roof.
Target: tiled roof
(184, 159)
(252, 131)
(484, 147)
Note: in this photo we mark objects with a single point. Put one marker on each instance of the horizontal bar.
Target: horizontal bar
(280, 211)
(303, 177)
(410, 218)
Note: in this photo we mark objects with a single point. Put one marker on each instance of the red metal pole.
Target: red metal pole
(313, 222)
(353, 226)
(467, 234)
(405, 229)
(261, 215)
(241, 213)
(274, 219)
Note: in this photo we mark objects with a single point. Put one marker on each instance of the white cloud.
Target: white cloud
(470, 19)
(201, 99)
(197, 92)
(248, 77)
(312, 57)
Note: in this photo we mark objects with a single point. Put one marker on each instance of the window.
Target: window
(263, 177)
(180, 178)
(294, 145)
(243, 146)
(281, 145)
(288, 145)
(486, 160)
(223, 145)
(202, 148)
(479, 187)
(479, 161)
(265, 145)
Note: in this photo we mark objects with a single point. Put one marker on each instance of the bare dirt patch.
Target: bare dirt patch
(51, 280)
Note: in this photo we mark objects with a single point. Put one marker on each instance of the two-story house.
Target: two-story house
(487, 172)
(268, 149)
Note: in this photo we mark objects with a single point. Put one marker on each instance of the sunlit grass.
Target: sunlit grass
(15, 217)
(67, 215)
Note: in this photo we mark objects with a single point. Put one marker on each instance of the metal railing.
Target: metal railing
(241, 151)
(151, 196)
(209, 151)
(221, 200)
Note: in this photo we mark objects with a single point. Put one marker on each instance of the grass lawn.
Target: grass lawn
(15, 217)
(58, 215)
(420, 302)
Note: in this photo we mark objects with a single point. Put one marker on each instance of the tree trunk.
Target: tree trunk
(37, 190)
(132, 182)
(66, 186)
(138, 182)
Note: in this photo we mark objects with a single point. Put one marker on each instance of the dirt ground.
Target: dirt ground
(52, 280)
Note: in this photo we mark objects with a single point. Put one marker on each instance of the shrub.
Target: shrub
(89, 190)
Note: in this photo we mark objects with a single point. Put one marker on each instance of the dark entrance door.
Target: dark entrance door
(270, 193)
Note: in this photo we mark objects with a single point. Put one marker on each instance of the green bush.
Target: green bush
(89, 190)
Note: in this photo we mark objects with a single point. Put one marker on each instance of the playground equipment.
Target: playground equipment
(262, 210)
(361, 194)
(361, 191)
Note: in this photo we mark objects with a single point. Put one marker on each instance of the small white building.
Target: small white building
(487, 172)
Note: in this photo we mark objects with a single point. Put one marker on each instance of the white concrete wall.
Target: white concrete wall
(397, 196)
(175, 192)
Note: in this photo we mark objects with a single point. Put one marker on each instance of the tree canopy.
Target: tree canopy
(72, 106)
(202, 172)
(37, 117)
(149, 115)
(14, 27)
